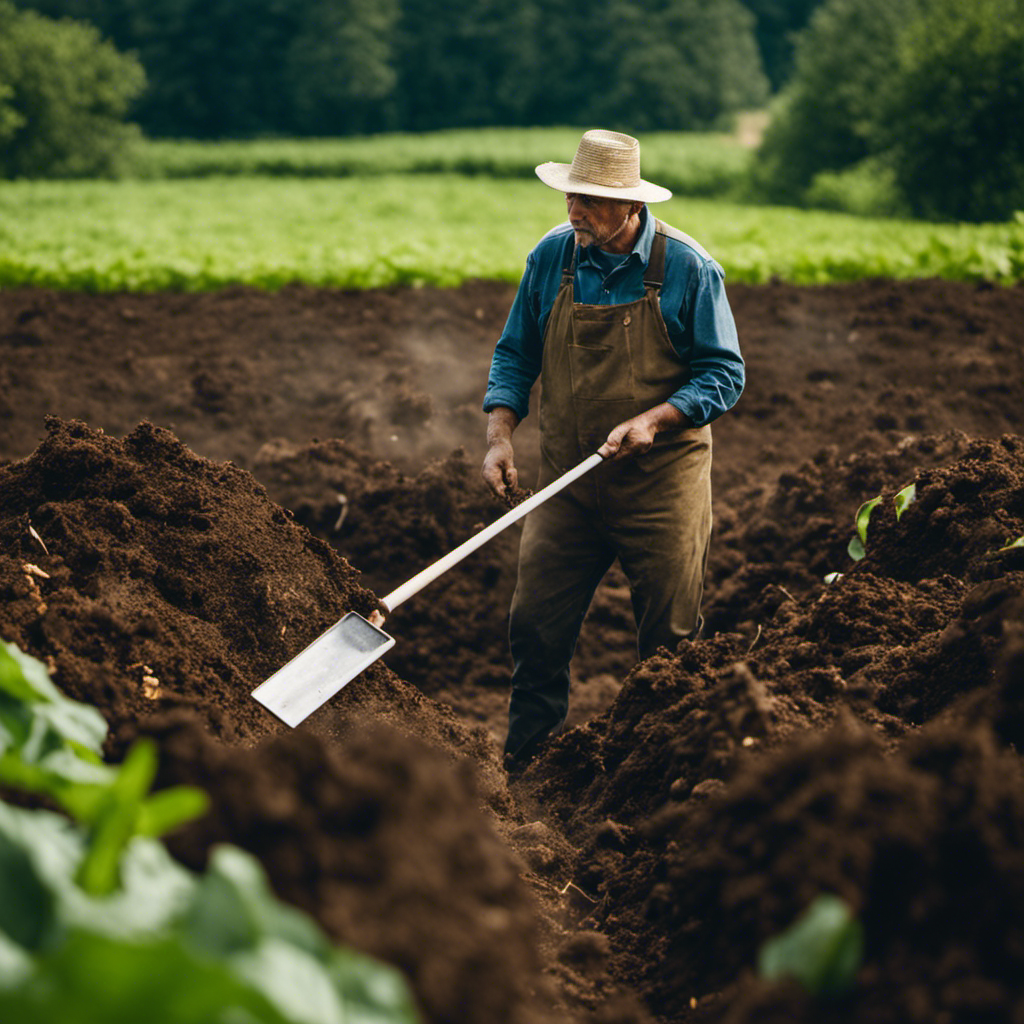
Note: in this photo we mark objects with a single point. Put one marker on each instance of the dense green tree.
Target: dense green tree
(216, 66)
(680, 64)
(243, 67)
(338, 74)
(464, 62)
(825, 118)
(569, 61)
(220, 68)
(777, 24)
(952, 117)
(64, 97)
(928, 91)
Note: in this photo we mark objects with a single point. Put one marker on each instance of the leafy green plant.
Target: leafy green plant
(64, 95)
(856, 548)
(822, 949)
(98, 922)
(51, 746)
(901, 500)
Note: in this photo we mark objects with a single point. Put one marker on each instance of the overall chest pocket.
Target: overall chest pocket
(601, 373)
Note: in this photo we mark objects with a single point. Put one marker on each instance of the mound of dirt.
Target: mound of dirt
(731, 783)
(857, 737)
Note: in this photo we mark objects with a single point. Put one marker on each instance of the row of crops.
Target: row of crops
(435, 209)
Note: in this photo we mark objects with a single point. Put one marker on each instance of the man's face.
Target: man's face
(598, 221)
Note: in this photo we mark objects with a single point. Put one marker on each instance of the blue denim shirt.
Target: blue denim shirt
(693, 303)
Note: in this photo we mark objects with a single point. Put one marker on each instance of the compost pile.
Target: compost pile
(193, 487)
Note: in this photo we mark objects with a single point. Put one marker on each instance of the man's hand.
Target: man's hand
(635, 436)
(499, 469)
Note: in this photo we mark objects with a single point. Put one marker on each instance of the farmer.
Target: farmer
(626, 322)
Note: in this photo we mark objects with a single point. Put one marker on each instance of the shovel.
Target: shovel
(353, 643)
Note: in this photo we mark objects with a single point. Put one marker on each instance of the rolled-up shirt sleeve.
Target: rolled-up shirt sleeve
(717, 372)
(516, 363)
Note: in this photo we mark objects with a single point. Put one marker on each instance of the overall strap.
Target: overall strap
(569, 269)
(569, 272)
(655, 274)
(654, 277)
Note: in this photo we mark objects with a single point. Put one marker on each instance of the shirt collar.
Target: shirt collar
(641, 248)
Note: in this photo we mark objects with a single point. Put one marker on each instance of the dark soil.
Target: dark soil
(193, 487)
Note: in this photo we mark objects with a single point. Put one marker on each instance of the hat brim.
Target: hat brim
(559, 176)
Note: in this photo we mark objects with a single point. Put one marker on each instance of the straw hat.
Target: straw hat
(606, 164)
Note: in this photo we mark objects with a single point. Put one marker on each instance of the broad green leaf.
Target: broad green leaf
(247, 911)
(219, 920)
(296, 983)
(75, 723)
(65, 762)
(375, 993)
(169, 808)
(855, 549)
(16, 964)
(29, 694)
(822, 949)
(274, 918)
(903, 499)
(92, 978)
(133, 955)
(280, 950)
(59, 780)
(26, 903)
(22, 677)
(154, 891)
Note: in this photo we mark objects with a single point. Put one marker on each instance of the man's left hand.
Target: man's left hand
(635, 436)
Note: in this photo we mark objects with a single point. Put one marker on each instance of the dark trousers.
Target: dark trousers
(657, 523)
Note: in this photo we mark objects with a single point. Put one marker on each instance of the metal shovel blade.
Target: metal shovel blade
(352, 644)
(317, 673)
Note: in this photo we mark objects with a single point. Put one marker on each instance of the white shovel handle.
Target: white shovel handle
(442, 565)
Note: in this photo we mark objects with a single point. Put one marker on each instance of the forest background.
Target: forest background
(889, 107)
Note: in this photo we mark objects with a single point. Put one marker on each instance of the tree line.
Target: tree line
(238, 68)
(920, 103)
(910, 107)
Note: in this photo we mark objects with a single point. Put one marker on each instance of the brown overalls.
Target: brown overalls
(603, 365)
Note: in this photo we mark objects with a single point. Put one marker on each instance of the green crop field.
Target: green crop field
(422, 228)
(690, 163)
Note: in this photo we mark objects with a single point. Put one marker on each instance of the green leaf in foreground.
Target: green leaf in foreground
(1018, 543)
(26, 904)
(126, 810)
(168, 947)
(99, 923)
(35, 715)
(822, 949)
(91, 978)
(281, 952)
